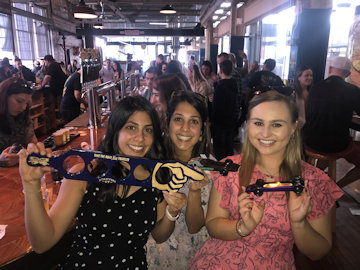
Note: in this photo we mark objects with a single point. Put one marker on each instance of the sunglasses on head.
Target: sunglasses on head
(285, 90)
(21, 86)
(183, 93)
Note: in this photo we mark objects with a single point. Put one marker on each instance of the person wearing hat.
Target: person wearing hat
(4, 69)
(330, 108)
(54, 77)
(52, 85)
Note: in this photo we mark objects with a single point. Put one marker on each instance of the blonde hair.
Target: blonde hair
(291, 164)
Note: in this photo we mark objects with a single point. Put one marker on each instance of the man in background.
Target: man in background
(150, 75)
(23, 72)
(224, 116)
(106, 73)
(329, 113)
(71, 100)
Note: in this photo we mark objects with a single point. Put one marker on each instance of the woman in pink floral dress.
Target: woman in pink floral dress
(250, 232)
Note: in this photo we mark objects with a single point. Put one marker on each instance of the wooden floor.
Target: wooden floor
(345, 254)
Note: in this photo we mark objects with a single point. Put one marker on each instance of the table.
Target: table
(15, 245)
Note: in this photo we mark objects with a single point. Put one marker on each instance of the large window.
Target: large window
(342, 18)
(32, 36)
(270, 38)
(276, 34)
(23, 26)
(6, 39)
(42, 43)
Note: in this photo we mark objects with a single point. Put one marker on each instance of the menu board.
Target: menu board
(90, 61)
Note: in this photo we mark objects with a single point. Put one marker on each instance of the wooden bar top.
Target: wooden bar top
(15, 244)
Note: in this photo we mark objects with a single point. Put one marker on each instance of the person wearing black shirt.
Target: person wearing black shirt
(52, 86)
(24, 72)
(71, 100)
(329, 112)
(224, 116)
(265, 77)
(54, 77)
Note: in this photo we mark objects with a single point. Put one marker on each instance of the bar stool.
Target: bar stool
(313, 157)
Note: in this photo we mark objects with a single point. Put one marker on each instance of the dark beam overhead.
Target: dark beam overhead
(142, 32)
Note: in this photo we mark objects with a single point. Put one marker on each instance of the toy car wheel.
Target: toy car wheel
(298, 185)
(258, 191)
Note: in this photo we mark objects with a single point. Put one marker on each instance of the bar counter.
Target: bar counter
(15, 245)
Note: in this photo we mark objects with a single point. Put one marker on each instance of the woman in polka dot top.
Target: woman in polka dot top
(113, 222)
(186, 138)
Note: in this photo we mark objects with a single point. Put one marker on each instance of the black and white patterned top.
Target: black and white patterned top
(112, 235)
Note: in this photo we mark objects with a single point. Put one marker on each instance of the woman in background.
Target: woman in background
(118, 72)
(207, 71)
(198, 82)
(251, 232)
(16, 126)
(163, 88)
(175, 67)
(302, 84)
(186, 139)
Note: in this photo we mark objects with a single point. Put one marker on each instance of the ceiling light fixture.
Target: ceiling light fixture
(158, 23)
(238, 5)
(219, 11)
(225, 5)
(98, 26)
(167, 10)
(81, 11)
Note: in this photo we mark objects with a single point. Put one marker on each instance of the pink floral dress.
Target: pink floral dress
(270, 245)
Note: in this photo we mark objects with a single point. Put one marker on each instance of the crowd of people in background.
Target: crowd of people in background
(178, 114)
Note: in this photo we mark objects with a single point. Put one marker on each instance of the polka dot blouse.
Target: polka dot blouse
(112, 235)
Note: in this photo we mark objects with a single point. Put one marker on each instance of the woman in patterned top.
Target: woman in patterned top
(113, 222)
(16, 126)
(186, 139)
(250, 232)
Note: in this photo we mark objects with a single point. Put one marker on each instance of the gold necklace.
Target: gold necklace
(269, 174)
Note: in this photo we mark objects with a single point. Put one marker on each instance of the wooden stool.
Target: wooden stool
(312, 157)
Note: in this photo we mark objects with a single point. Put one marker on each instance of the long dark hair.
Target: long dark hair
(199, 103)
(297, 86)
(8, 87)
(118, 67)
(109, 145)
(167, 84)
